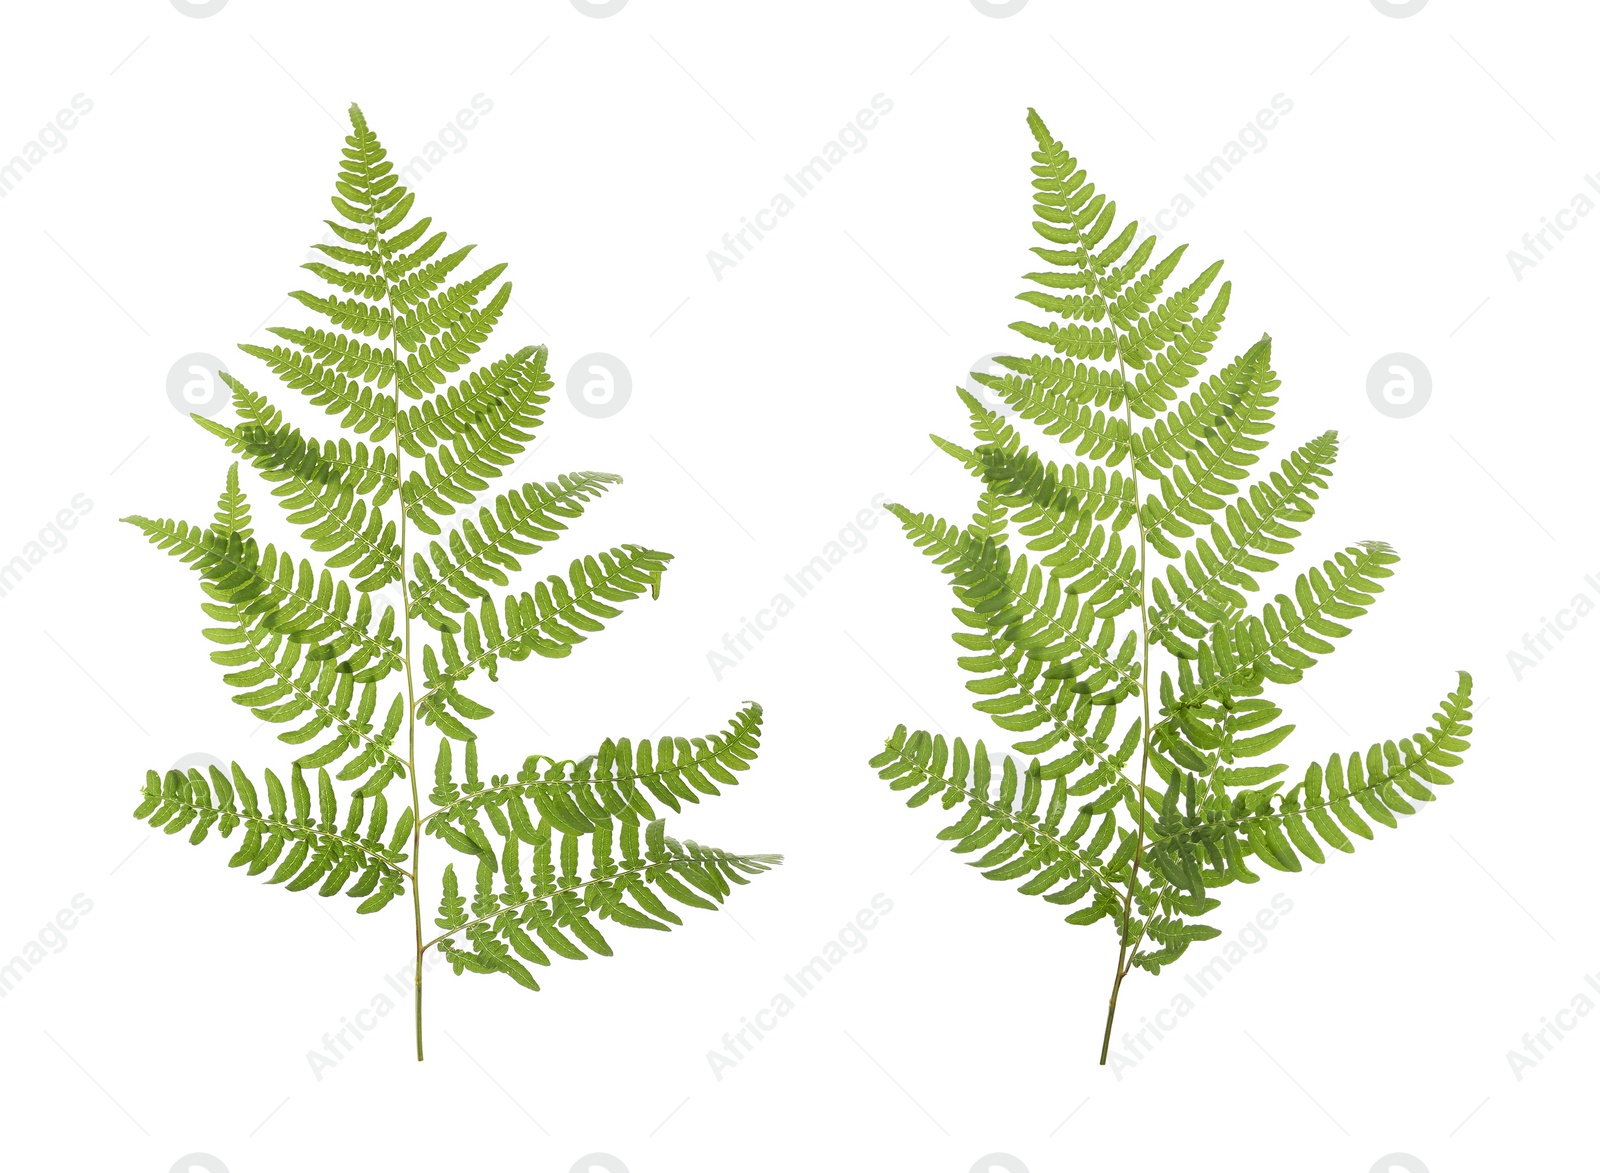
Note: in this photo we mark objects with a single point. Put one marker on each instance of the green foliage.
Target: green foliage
(1132, 797)
(347, 677)
(318, 850)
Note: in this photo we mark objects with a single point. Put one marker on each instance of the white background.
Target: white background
(768, 408)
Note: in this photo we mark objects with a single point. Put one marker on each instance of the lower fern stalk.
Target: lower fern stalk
(416, 908)
(1111, 1011)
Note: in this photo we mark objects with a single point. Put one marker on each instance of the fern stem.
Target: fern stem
(405, 655)
(1124, 962)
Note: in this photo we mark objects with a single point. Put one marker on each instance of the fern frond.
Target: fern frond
(1001, 818)
(1253, 528)
(348, 356)
(521, 523)
(444, 311)
(1206, 843)
(435, 357)
(233, 511)
(359, 405)
(282, 679)
(319, 849)
(989, 519)
(332, 491)
(265, 588)
(513, 386)
(1072, 491)
(1067, 400)
(398, 357)
(616, 783)
(1197, 456)
(1167, 370)
(1063, 523)
(1019, 604)
(991, 429)
(1041, 639)
(477, 451)
(560, 614)
(630, 879)
(1283, 641)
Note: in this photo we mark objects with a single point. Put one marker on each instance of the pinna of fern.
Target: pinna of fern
(1130, 799)
(405, 499)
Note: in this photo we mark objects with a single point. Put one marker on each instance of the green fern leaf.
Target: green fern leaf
(319, 851)
(1154, 537)
(481, 556)
(558, 615)
(428, 418)
(633, 879)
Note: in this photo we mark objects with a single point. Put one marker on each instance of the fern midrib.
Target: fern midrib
(952, 547)
(1072, 736)
(462, 571)
(290, 831)
(1065, 535)
(493, 650)
(633, 781)
(358, 637)
(1016, 823)
(1237, 549)
(470, 405)
(452, 465)
(353, 536)
(1185, 347)
(378, 246)
(337, 721)
(1125, 948)
(1373, 783)
(1200, 587)
(678, 857)
(386, 655)
(1224, 682)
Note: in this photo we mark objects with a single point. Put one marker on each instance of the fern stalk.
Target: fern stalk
(411, 701)
(1043, 579)
(1123, 967)
(566, 845)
